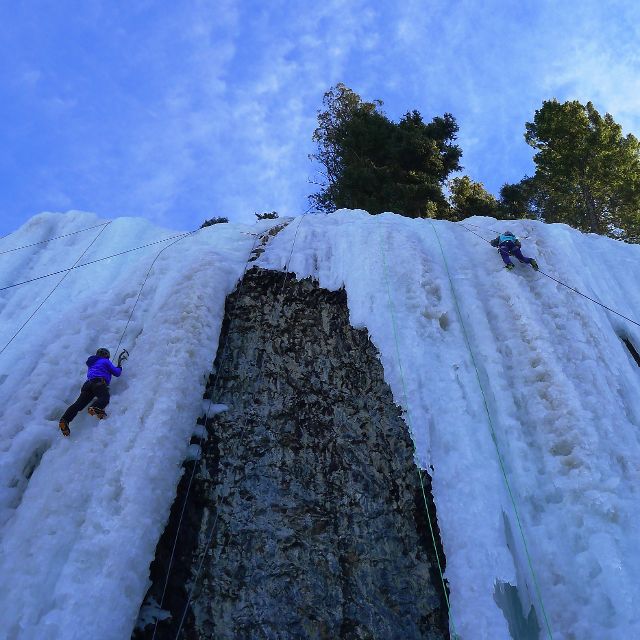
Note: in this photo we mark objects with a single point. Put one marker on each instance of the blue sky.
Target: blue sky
(180, 111)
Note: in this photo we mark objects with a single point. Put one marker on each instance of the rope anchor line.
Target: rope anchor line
(495, 440)
(197, 461)
(64, 235)
(564, 284)
(410, 424)
(66, 273)
(86, 264)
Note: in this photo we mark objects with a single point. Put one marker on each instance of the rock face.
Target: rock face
(305, 517)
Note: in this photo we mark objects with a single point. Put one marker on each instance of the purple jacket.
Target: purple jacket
(102, 368)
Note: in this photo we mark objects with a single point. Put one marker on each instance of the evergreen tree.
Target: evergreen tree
(267, 215)
(521, 200)
(378, 165)
(469, 198)
(587, 172)
(212, 221)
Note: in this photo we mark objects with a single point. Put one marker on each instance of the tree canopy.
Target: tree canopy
(469, 198)
(373, 163)
(587, 173)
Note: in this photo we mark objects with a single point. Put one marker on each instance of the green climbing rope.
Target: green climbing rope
(406, 404)
(494, 438)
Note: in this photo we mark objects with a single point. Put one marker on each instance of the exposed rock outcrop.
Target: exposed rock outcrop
(305, 518)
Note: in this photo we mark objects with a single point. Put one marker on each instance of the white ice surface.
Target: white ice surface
(80, 517)
(561, 388)
(78, 532)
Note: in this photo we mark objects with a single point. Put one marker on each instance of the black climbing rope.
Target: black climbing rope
(66, 273)
(65, 235)
(564, 284)
(196, 462)
(584, 295)
(135, 304)
(85, 264)
(214, 524)
(477, 226)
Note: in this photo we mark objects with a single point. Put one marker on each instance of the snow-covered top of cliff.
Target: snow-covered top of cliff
(522, 400)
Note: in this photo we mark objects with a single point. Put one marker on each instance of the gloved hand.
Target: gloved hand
(124, 355)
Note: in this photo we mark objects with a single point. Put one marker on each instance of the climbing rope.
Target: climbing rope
(410, 423)
(474, 233)
(495, 439)
(66, 235)
(86, 264)
(243, 429)
(197, 460)
(66, 273)
(584, 295)
(477, 226)
(135, 304)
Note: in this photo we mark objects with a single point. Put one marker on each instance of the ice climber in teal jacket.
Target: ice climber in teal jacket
(509, 245)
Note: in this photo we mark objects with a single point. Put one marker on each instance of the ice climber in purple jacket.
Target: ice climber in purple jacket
(96, 387)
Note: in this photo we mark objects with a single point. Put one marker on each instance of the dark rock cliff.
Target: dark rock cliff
(305, 517)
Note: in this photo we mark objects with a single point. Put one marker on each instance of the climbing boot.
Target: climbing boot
(508, 267)
(97, 412)
(64, 427)
(534, 264)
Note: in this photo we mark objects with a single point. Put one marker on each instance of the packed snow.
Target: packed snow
(483, 361)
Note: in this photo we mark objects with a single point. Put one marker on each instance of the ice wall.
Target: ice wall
(79, 518)
(561, 390)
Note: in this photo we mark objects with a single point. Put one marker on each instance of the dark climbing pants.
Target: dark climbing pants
(505, 253)
(95, 388)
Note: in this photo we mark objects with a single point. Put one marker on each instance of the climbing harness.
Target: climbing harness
(410, 424)
(495, 438)
(66, 273)
(584, 295)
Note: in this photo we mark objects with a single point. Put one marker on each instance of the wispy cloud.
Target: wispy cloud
(601, 63)
(183, 111)
(233, 123)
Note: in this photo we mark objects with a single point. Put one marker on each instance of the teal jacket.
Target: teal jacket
(506, 240)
